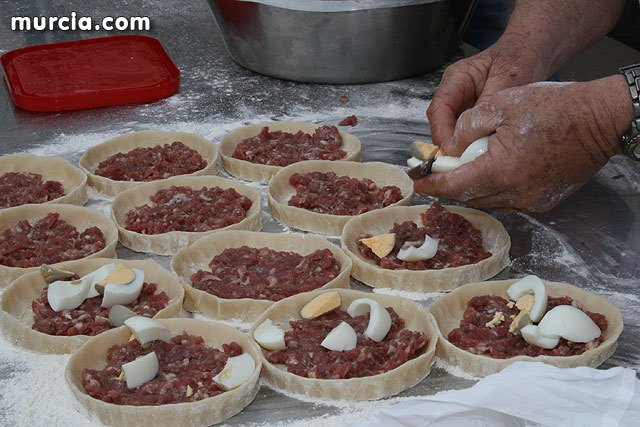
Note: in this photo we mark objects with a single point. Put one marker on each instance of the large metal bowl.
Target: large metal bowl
(348, 41)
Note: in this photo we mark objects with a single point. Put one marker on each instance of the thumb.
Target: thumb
(481, 120)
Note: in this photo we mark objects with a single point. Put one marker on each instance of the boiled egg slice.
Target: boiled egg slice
(424, 252)
(146, 330)
(570, 323)
(531, 334)
(320, 305)
(379, 317)
(270, 336)
(423, 150)
(341, 338)
(98, 276)
(67, 295)
(381, 245)
(445, 164)
(119, 313)
(116, 292)
(143, 369)
(413, 162)
(236, 371)
(473, 151)
(531, 285)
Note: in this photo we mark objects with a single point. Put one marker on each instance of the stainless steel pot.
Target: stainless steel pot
(349, 41)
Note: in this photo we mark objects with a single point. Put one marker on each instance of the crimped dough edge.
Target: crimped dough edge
(280, 191)
(373, 387)
(16, 316)
(263, 173)
(80, 217)
(171, 242)
(197, 257)
(92, 355)
(494, 238)
(51, 168)
(448, 310)
(146, 138)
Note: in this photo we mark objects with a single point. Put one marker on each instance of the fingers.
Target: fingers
(481, 120)
(469, 181)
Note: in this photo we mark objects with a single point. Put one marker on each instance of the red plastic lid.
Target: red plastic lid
(90, 73)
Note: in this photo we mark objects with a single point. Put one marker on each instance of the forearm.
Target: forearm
(558, 30)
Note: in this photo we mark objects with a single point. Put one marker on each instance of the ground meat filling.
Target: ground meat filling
(280, 148)
(188, 209)
(499, 343)
(89, 318)
(186, 370)
(20, 188)
(305, 356)
(460, 243)
(262, 273)
(349, 121)
(48, 241)
(152, 163)
(329, 193)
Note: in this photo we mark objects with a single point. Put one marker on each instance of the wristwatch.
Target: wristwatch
(630, 142)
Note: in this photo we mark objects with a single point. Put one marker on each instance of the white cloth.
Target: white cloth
(576, 397)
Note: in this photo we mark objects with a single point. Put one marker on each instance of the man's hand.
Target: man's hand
(508, 63)
(547, 140)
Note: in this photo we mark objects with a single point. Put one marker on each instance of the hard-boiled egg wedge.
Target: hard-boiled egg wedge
(423, 150)
(379, 317)
(381, 245)
(570, 323)
(269, 336)
(116, 292)
(320, 305)
(119, 313)
(236, 371)
(531, 285)
(341, 338)
(473, 151)
(531, 334)
(143, 369)
(98, 276)
(67, 295)
(424, 252)
(146, 330)
(413, 162)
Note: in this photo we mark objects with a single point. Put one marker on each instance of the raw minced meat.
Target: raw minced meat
(329, 193)
(263, 273)
(279, 148)
(20, 188)
(188, 209)
(49, 240)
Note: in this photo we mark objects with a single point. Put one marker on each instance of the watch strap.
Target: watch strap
(631, 141)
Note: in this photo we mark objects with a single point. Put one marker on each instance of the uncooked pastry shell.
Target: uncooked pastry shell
(146, 138)
(72, 179)
(280, 191)
(365, 388)
(494, 239)
(263, 173)
(448, 311)
(79, 217)
(92, 355)
(198, 256)
(171, 242)
(16, 316)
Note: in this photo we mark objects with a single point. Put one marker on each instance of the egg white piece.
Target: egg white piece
(142, 370)
(570, 323)
(146, 330)
(123, 294)
(445, 164)
(270, 336)
(379, 317)
(531, 284)
(119, 313)
(98, 276)
(424, 252)
(66, 295)
(236, 371)
(531, 334)
(473, 151)
(413, 162)
(341, 338)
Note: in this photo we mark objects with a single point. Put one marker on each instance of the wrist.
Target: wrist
(518, 47)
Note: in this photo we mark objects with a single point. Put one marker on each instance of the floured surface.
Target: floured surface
(592, 240)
